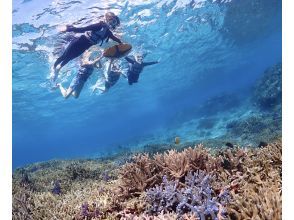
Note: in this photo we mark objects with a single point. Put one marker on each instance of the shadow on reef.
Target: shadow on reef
(194, 183)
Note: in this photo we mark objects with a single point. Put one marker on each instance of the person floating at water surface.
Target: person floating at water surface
(136, 67)
(94, 34)
(85, 71)
(110, 78)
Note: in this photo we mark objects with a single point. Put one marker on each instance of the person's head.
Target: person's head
(112, 20)
(139, 58)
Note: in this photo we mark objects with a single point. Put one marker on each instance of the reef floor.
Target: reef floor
(195, 182)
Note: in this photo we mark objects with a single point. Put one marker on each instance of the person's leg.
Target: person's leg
(74, 49)
(65, 92)
(66, 52)
(59, 60)
(106, 86)
(78, 90)
(72, 87)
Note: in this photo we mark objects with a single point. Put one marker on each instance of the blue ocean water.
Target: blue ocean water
(205, 48)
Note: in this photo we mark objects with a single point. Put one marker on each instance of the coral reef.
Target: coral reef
(56, 187)
(262, 177)
(268, 90)
(236, 171)
(88, 212)
(147, 171)
(194, 183)
(264, 122)
(196, 197)
(267, 127)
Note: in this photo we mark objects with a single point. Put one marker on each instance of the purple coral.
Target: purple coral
(88, 212)
(106, 176)
(164, 197)
(56, 188)
(197, 197)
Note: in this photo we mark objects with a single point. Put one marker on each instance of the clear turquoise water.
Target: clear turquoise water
(205, 48)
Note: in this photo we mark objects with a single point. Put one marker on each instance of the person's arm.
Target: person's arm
(114, 38)
(92, 27)
(150, 63)
(130, 60)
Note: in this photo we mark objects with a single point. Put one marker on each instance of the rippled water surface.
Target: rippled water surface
(204, 48)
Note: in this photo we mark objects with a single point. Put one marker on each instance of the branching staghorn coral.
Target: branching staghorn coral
(257, 202)
(196, 197)
(22, 205)
(139, 175)
(259, 186)
(147, 171)
(178, 164)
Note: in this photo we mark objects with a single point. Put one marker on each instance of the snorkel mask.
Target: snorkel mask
(139, 58)
(112, 20)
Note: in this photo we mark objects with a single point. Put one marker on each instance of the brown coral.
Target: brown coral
(137, 176)
(147, 171)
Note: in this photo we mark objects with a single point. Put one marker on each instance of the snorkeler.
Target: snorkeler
(135, 68)
(85, 71)
(110, 78)
(94, 34)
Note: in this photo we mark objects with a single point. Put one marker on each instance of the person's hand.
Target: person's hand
(65, 28)
(62, 28)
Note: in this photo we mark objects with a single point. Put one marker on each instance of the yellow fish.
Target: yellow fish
(177, 140)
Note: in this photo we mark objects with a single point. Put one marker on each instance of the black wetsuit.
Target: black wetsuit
(135, 69)
(94, 33)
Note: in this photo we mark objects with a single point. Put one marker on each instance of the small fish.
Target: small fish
(177, 140)
(230, 145)
(262, 144)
